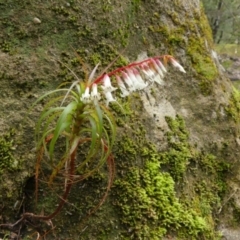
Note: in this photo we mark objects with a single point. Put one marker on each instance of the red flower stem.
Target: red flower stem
(134, 64)
(64, 197)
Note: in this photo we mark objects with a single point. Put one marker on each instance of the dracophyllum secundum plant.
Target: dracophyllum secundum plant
(80, 116)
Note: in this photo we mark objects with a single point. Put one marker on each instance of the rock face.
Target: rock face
(176, 155)
(232, 66)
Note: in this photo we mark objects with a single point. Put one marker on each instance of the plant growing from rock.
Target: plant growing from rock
(78, 118)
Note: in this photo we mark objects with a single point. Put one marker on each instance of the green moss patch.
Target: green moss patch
(7, 161)
(233, 108)
(149, 206)
(173, 192)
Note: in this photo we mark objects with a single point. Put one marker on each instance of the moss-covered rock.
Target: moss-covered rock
(172, 172)
(167, 193)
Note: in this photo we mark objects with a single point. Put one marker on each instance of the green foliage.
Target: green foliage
(233, 108)
(67, 117)
(7, 161)
(229, 49)
(223, 18)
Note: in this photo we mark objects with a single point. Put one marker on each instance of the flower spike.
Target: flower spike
(135, 76)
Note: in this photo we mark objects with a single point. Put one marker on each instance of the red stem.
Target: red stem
(64, 197)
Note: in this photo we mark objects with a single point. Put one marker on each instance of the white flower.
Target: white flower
(158, 80)
(150, 74)
(86, 98)
(157, 67)
(159, 63)
(107, 86)
(109, 97)
(95, 96)
(158, 72)
(137, 80)
(128, 81)
(153, 73)
(177, 65)
(122, 87)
